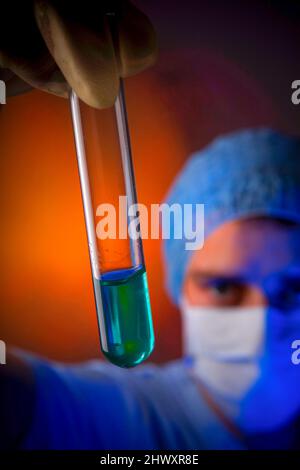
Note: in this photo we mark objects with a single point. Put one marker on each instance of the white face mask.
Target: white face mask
(227, 348)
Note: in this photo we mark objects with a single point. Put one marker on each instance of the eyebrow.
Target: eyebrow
(208, 275)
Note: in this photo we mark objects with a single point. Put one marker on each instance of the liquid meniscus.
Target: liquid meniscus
(125, 321)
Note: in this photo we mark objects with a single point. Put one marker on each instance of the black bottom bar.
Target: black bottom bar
(135, 459)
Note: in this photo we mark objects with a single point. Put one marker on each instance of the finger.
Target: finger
(82, 47)
(22, 50)
(13, 84)
(137, 42)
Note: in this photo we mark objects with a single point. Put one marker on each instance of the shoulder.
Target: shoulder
(94, 377)
(99, 405)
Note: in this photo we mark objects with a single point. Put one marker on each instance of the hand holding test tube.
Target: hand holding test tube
(58, 45)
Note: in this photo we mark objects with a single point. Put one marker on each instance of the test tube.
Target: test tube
(117, 260)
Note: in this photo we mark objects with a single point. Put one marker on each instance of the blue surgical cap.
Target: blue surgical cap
(253, 172)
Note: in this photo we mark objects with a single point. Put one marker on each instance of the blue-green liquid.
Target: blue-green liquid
(125, 320)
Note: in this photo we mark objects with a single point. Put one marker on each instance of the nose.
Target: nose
(256, 297)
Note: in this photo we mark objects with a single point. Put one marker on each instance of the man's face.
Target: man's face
(245, 355)
(253, 262)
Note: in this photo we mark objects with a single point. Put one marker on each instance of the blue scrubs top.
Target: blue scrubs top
(96, 405)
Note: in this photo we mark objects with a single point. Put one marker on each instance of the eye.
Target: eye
(221, 287)
(227, 291)
(284, 292)
(218, 291)
(289, 294)
(212, 289)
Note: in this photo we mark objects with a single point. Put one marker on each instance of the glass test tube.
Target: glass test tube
(117, 260)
